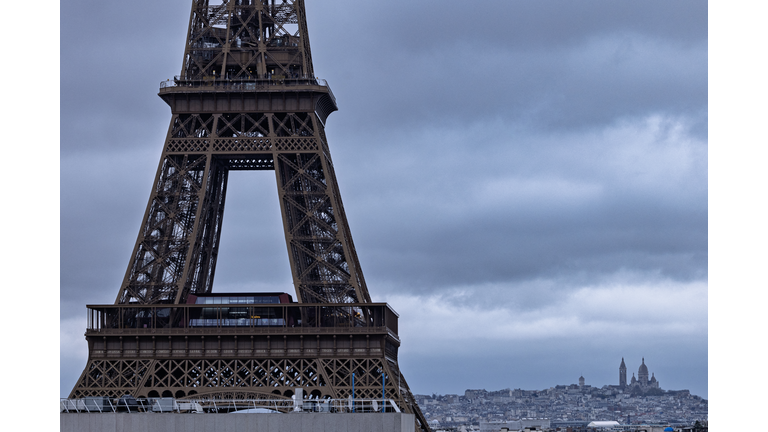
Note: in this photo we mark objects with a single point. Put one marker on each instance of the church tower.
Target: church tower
(622, 374)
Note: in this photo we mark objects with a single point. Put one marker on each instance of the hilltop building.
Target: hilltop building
(642, 381)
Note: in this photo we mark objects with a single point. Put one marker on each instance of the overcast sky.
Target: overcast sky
(525, 181)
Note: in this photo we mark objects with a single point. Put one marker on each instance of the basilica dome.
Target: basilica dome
(643, 369)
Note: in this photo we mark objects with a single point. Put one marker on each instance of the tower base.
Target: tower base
(328, 351)
(305, 422)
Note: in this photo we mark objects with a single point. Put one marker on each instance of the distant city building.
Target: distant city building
(514, 425)
(636, 405)
(642, 373)
(603, 424)
(622, 374)
(642, 381)
(565, 406)
(475, 394)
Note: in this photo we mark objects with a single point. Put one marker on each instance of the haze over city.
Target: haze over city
(526, 182)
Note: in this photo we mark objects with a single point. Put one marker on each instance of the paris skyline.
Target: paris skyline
(529, 192)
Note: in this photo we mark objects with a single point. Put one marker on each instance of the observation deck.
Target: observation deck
(274, 94)
(242, 330)
(242, 318)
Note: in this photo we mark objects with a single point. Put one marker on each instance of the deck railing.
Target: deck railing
(204, 318)
(126, 404)
(237, 84)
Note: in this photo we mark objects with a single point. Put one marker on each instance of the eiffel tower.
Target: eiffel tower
(246, 99)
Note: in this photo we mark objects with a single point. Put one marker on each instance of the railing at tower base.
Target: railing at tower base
(95, 405)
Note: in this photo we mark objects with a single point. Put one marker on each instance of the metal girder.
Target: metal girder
(188, 377)
(247, 39)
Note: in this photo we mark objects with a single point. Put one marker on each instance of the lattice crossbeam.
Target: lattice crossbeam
(324, 377)
(255, 40)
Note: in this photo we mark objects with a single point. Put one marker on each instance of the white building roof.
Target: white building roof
(604, 424)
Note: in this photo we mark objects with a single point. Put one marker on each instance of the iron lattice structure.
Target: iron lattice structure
(246, 99)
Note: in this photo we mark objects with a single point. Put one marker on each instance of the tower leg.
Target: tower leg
(176, 249)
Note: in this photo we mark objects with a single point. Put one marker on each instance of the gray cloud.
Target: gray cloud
(564, 209)
(565, 66)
